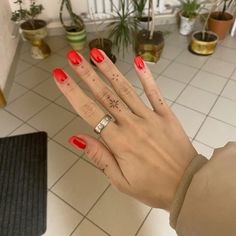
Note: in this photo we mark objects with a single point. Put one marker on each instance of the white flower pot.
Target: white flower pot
(186, 25)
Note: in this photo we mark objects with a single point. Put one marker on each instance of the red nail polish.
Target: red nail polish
(74, 57)
(96, 55)
(139, 62)
(78, 142)
(60, 75)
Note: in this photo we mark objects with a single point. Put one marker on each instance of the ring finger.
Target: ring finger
(84, 105)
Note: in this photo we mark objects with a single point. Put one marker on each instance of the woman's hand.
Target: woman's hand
(146, 150)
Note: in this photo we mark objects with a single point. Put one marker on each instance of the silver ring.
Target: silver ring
(102, 124)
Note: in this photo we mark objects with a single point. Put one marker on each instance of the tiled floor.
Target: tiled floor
(200, 90)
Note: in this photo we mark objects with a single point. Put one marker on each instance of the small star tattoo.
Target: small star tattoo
(114, 103)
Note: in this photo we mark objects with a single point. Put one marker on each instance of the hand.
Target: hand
(146, 151)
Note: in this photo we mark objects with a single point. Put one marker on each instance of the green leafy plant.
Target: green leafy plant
(27, 14)
(139, 6)
(190, 8)
(77, 23)
(226, 5)
(124, 27)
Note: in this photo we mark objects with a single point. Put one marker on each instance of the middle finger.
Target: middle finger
(99, 88)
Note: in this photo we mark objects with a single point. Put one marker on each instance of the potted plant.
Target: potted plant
(204, 42)
(144, 20)
(149, 43)
(75, 31)
(99, 42)
(124, 27)
(220, 21)
(188, 14)
(33, 30)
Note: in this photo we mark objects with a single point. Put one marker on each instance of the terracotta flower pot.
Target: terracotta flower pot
(220, 26)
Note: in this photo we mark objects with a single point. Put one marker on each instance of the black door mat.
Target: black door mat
(23, 184)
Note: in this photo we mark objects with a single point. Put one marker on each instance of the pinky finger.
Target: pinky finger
(98, 153)
(150, 87)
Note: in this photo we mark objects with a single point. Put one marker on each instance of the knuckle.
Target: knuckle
(88, 109)
(104, 94)
(126, 90)
(152, 92)
(89, 73)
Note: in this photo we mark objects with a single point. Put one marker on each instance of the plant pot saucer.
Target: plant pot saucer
(112, 58)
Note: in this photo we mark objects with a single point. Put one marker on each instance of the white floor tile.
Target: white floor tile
(52, 62)
(8, 123)
(230, 90)
(219, 67)
(123, 67)
(208, 81)
(203, 149)
(25, 47)
(160, 66)
(233, 77)
(77, 126)
(216, 133)
(86, 228)
(27, 57)
(15, 92)
(21, 67)
(132, 77)
(56, 43)
(59, 161)
(24, 129)
(177, 40)
(190, 120)
(191, 59)
(229, 42)
(32, 77)
(63, 52)
(118, 214)
(197, 99)
(157, 224)
(81, 186)
(225, 110)
(27, 105)
(48, 89)
(180, 72)
(62, 101)
(170, 89)
(225, 54)
(51, 119)
(171, 52)
(61, 218)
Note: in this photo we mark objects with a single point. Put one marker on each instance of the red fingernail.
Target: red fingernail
(77, 142)
(60, 75)
(74, 57)
(139, 62)
(96, 55)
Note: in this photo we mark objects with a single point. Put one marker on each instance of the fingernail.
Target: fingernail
(74, 57)
(60, 75)
(139, 62)
(96, 55)
(77, 142)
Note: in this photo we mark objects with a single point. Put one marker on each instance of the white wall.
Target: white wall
(7, 44)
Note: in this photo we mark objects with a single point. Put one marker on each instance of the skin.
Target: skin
(146, 151)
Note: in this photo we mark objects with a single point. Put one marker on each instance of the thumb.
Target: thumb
(102, 158)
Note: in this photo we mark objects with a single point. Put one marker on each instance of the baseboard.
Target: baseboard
(55, 28)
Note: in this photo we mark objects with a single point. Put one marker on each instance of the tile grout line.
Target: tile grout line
(208, 114)
(144, 220)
